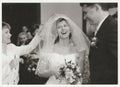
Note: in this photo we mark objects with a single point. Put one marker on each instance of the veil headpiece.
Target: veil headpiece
(49, 34)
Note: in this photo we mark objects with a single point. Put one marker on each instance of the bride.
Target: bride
(64, 43)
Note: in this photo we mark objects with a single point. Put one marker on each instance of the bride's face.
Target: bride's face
(63, 29)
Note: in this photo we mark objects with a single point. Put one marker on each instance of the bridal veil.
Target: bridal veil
(78, 38)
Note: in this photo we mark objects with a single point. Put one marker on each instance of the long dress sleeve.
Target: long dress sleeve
(9, 76)
(6, 71)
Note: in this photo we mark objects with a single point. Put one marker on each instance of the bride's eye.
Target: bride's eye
(7, 32)
(58, 27)
(65, 25)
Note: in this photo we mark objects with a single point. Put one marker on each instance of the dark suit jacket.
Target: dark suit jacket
(103, 57)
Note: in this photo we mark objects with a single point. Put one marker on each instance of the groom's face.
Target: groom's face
(90, 14)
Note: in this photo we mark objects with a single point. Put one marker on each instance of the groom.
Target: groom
(103, 52)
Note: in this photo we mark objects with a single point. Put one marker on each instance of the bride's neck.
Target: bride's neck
(4, 48)
(64, 42)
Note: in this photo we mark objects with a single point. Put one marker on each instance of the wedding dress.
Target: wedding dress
(50, 61)
(54, 62)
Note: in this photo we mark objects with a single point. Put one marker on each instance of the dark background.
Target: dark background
(20, 14)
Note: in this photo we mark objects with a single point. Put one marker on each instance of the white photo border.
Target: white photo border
(57, 1)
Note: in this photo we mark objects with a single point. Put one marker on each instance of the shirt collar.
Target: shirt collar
(98, 27)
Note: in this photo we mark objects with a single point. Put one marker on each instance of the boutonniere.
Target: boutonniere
(94, 42)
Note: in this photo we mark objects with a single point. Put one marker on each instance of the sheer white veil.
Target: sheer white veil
(49, 34)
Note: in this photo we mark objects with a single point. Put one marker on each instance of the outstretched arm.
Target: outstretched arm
(31, 46)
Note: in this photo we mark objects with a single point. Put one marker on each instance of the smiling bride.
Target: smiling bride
(64, 55)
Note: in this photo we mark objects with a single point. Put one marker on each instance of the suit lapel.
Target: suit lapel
(103, 27)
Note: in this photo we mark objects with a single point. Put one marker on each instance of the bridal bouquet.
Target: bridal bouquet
(71, 73)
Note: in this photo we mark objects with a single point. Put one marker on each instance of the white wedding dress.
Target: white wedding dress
(50, 63)
(51, 54)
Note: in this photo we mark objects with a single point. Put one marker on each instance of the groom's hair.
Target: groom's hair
(104, 6)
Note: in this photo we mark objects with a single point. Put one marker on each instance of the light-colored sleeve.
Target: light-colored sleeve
(9, 76)
(21, 50)
(5, 73)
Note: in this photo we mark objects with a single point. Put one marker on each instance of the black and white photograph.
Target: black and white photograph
(57, 43)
